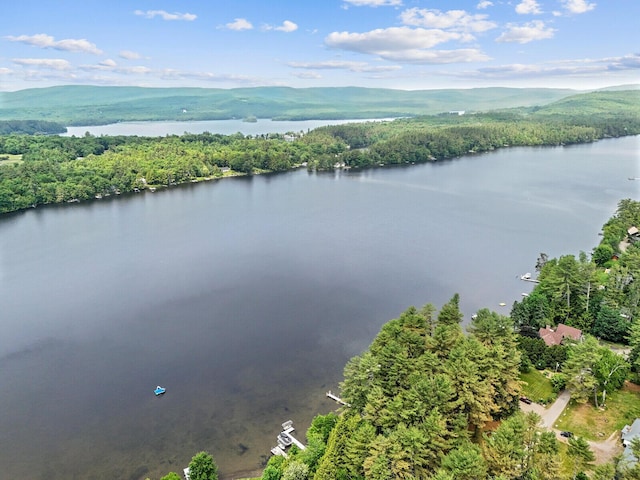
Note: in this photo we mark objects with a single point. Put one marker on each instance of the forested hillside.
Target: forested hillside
(30, 127)
(91, 105)
(578, 119)
(36, 170)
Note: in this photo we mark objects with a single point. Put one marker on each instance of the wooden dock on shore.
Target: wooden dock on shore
(336, 398)
(527, 278)
(277, 450)
(285, 439)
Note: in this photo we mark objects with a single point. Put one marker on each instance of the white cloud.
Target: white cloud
(463, 55)
(526, 33)
(457, 20)
(627, 62)
(287, 26)
(304, 75)
(344, 65)
(404, 44)
(48, 63)
(569, 68)
(55, 72)
(577, 6)
(129, 55)
(111, 66)
(166, 15)
(389, 39)
(138, 69)
(43, 40)
(484, 4)
(239, 24)
(528, 7)
(374, 3)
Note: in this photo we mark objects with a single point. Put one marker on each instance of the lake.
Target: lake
(224, 127)
(245, 297)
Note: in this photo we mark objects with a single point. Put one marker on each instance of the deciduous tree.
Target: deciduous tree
(202, 467)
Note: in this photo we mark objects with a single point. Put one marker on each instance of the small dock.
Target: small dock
(527, 278)
(285, 439)
(337, 399)
(293, 440)
(279, 451)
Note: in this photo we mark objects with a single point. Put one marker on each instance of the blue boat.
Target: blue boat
(159, 390)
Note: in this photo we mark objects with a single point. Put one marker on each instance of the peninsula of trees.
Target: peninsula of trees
(37, 169)
(427, 401)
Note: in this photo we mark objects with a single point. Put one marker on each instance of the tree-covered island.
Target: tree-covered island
(39, 170)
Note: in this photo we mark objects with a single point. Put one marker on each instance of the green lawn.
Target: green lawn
(7, 159)
(584, 420)
(537, 387)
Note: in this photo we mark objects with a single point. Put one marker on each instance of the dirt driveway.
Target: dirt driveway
(607, 449)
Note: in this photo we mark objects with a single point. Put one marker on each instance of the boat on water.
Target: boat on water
(159, 390)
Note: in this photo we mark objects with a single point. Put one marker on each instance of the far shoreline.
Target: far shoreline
(161, 128)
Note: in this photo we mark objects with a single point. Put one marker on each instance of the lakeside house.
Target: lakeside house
(557, 336)
(633, 234)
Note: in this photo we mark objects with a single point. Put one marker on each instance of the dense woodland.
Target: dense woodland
(595, 293)
(429, 401)
(30, 127)
(37, 169)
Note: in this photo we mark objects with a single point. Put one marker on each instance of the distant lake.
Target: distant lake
(224, 127)
(245, 297)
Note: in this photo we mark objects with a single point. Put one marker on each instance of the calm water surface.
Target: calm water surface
(224, 127)
(245, 297)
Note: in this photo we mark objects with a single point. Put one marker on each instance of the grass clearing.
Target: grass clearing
(584, 420)
(8, 159)
(537, 387)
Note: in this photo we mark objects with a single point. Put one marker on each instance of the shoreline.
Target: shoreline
(242, 475)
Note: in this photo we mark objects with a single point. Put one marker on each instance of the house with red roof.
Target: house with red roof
(556, 336)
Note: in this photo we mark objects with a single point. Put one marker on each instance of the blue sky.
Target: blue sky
(403, 44)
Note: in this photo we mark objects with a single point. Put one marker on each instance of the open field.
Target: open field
(8, 159)
(598, 424)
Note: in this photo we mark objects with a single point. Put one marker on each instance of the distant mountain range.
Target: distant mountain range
(91, 105)
(95, 105)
